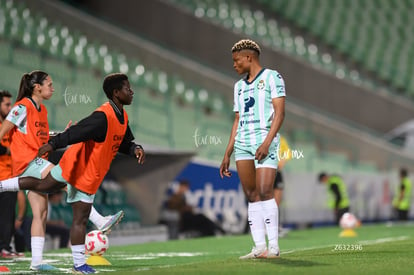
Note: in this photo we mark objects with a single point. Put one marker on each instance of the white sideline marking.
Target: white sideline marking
(150, 256)
(385, 240)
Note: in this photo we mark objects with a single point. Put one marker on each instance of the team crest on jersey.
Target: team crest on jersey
(38, 161)
(261, 85)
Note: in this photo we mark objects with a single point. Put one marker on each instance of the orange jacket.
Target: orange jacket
(24, 147)
(85, 164)
(5, 160)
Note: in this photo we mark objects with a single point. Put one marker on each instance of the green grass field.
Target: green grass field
(377, 249)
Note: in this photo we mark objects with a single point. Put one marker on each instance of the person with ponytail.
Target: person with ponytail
(28, 127)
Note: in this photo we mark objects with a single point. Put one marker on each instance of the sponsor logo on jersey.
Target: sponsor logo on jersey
(248, 103)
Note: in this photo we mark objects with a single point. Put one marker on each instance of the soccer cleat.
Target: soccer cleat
(83, 269)
(111, 221)
(10, 254)
(255, 253)
(273, 252)
(42, 267)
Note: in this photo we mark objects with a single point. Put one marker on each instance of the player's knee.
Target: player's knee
(266, 195)
(252, 195)
(40, 216)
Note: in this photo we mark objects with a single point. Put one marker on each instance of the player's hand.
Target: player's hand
(44, 150)
(17, 224)
(224, 167)
(70, 124)
(261, 152)
(140, 155)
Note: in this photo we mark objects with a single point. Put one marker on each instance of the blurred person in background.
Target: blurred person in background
(23, 223)
(57, 227)
(284, 155)
(338, 195)
(7, 200)
(402, 198)
(188, 219)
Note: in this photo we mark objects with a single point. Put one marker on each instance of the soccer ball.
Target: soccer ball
(96, 243)
(348, 221)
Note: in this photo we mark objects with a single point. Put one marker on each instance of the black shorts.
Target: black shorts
(278, 184)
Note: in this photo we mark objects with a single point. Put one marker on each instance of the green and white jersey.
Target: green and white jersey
(253, 101)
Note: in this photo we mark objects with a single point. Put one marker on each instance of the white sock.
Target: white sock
(78, 254)
(271, 217)
(96, 218)
(256, 223)
(9, 185)
(37, 250)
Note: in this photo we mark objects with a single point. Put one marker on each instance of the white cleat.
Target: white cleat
(273, 252)
(257, 252)
(111, 221)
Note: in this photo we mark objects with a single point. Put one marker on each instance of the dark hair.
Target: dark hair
(4, 93)
(113, 82)
(403, 172)
(28, 81)
(321, 176)
(184, 182)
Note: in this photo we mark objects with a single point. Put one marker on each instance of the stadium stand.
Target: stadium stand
(376, 35)
(240, 18)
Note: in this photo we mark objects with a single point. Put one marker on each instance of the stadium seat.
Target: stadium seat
(374, 34)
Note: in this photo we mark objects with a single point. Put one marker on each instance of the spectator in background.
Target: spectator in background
(57, 228)
(188, 219)
(338, 195)
(23, 223)
(402, 198)
(7, 200)
(284, 155)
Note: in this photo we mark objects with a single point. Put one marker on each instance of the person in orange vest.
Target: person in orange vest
(95, 141)
(7, 200)
(28, 129)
